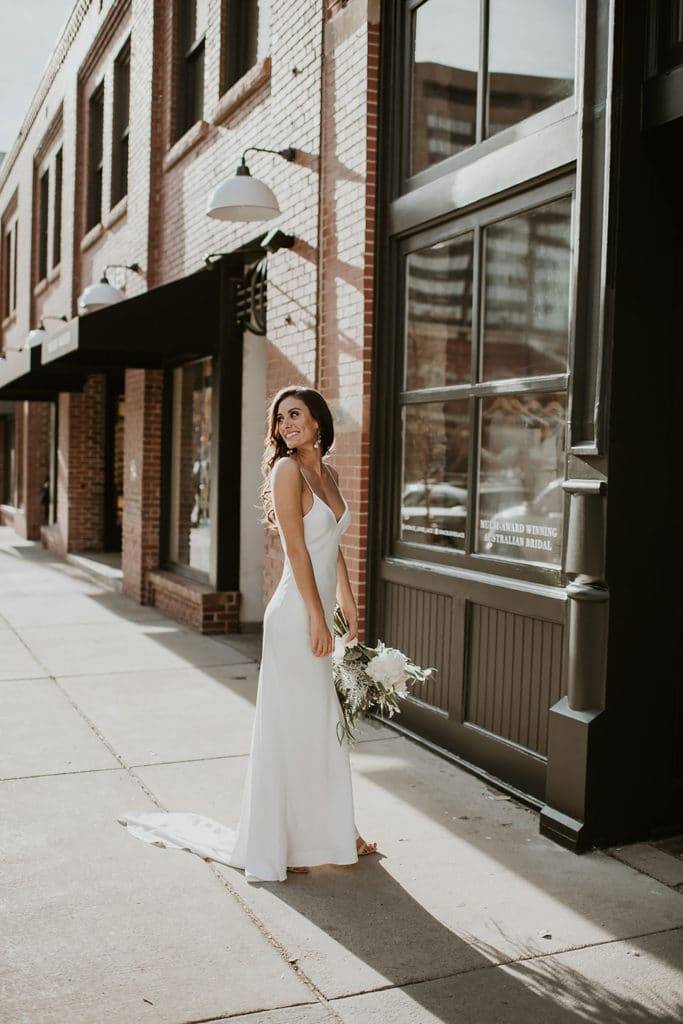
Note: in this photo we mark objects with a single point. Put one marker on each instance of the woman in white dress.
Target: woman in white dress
(297, 802)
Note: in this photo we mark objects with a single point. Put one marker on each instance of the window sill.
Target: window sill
(117, 212)
(92, 236)
(192, 137)
(54, 273)
(240, 92)
(42, 286)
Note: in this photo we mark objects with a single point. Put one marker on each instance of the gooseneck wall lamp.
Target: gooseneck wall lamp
(101, 293)
(244, 198)
(38, 335)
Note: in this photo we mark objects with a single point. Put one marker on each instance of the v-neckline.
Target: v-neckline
(329, 509)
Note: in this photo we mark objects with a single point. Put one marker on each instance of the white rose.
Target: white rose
(388, 668)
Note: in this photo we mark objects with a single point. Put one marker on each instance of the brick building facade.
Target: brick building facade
(485, 226)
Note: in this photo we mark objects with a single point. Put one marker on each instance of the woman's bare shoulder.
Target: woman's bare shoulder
(286, 468)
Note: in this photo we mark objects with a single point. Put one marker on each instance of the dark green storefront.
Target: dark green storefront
(523, 536)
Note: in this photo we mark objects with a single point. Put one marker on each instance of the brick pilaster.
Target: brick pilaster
(141, 481)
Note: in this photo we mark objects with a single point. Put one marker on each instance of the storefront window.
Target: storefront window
(434, 474)
(521, 469)
(530, 46)
(531, 58)
(190, 543)
(439, 314)
(526, 318)
(483, 453)
(444, 80)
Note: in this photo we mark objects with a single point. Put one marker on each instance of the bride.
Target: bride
(297, 802)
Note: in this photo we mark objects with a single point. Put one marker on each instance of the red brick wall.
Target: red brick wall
(141, 480)
(80, 471)
(323, 63)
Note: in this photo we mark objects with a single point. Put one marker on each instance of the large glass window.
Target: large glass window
(191, 470)
(526, 311)
(246, 37)
(119, 150)
(43, 231)
(439, 314)
(531, 58)
(191, 41)
(521, 469)
(454, 103)
(434, 474)
(95, 155)
(444, 79)
(492, 437)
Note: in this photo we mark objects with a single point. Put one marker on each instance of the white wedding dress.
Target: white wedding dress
(297, 802)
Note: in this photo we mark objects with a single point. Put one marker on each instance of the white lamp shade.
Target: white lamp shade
(36, 337)
(242, 198)
(97, 296)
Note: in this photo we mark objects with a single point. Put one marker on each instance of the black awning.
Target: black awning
(171, 324)
(22, 377)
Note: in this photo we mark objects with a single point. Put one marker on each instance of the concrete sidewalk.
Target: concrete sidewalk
(468, 915)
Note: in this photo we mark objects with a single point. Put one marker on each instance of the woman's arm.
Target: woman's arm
(286, 487)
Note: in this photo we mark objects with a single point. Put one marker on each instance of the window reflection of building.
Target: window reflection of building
(524, 334)
(527, 295)
(531, 66)
(439, 314)
(191, 466)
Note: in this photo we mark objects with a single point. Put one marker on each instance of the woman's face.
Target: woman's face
(294, 423)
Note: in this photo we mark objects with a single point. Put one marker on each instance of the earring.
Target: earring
(316, 443)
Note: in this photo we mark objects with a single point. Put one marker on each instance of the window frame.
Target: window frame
(190, 53)
(474, 221)
(526, 128)
(187, 571)
(10, 231)
(236, 25)
(43, 197)
(120, 125)
(95, 193)
(57, 209)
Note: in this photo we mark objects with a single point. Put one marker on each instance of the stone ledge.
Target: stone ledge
(194, 604)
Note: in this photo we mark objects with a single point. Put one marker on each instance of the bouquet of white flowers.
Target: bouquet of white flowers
(369, 678)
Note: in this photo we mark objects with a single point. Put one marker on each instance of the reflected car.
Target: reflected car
(544, 512)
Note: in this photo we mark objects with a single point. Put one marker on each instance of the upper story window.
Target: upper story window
(9, 262)
(480, 66)
(246, 37)
(191, 37)
(119, 168)
(43, 226)
(95, 156)
(57, 214)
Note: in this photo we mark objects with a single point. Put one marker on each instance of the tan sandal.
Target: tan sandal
(365, 848)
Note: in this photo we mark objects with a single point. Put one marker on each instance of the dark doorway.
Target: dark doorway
(113, 467)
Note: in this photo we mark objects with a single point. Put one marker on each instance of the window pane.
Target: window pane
(57, 222)
(439, 314)
(521, 469)
(531, 58)
(43, 224)
(444, 80)
(190, 543)
(526, 301)
(434, 474)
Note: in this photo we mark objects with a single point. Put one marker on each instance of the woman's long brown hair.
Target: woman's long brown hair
(275, 448)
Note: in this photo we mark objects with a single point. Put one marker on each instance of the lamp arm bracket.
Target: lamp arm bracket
(287, 154)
